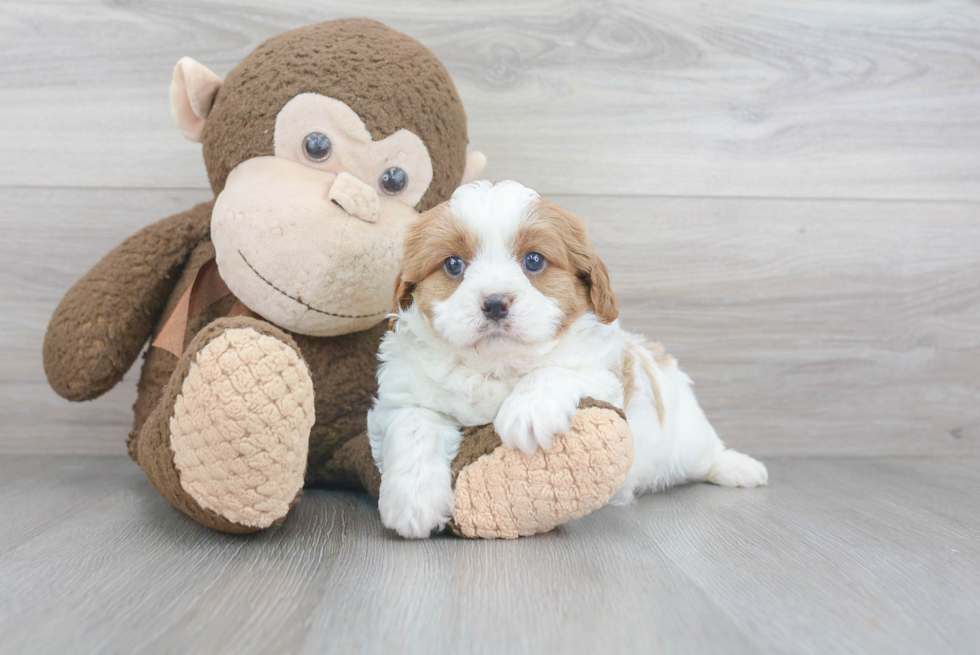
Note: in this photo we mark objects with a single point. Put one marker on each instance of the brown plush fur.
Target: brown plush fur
(103, 321)
(342, 368)
(391, 80)
(100, 326)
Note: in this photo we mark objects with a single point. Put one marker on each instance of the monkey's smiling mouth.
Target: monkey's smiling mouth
(307, 305)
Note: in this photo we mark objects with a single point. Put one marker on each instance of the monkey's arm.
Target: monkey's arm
(103, 321)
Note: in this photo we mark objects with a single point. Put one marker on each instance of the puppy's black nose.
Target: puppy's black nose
(495, 307)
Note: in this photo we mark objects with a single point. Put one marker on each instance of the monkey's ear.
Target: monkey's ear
(474, 166)
(192, 93)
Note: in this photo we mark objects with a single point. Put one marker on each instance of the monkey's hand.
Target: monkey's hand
(103, 321)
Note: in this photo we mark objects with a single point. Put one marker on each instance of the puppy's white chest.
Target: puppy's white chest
(474, 398)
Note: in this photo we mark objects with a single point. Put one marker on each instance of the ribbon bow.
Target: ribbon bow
(206, 289)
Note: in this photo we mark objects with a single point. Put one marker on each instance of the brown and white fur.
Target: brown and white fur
(451, 361)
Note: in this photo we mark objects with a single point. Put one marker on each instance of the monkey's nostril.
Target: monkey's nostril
(354, 197)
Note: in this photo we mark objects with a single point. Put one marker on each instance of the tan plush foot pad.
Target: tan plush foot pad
(240, 428)
(508, 494)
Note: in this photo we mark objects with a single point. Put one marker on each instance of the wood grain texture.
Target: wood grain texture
(809, 326)
(838, 555)
(758, 98)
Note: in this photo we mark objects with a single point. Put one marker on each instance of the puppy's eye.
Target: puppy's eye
(393, 180)
(533, 262)
(317, 146)
(454, 266)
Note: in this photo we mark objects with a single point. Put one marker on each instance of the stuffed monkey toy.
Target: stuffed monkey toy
(264, 307)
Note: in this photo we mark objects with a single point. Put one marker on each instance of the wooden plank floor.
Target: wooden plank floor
(839, 555)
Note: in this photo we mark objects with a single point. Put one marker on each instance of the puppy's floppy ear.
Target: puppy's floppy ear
(403, 297)
(586, 262)
(423, 252)
(403, 293)
(604, 301)
(404, 287)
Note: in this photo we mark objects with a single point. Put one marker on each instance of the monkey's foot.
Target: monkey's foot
(238, 426)
(504, 493)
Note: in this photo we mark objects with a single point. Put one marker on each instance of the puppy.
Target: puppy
(504, 314)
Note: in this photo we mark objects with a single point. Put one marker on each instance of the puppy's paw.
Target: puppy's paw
(734, 469)
(414, 508)
(529, 419)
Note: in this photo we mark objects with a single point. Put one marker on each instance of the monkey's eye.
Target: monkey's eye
(393, 180)
(454, 266)
(317, 146)
(533, 262)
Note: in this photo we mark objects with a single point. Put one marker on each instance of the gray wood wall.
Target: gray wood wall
(786, 193)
